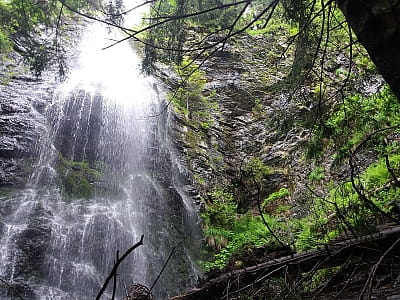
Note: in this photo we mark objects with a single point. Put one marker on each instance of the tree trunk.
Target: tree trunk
(377, 26)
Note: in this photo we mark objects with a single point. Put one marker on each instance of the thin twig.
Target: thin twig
(116, 265)
(115, 280)
(13, 288)
(371, 276)
(162, 269)
(358, 189)
(347, 282)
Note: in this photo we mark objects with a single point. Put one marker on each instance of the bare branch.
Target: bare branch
(116, 265)
(357, 188)
(371, 276)
(162, 269)
(129, 10)
(12, 288)
(172, 18)
(94, 18)
(115, 280)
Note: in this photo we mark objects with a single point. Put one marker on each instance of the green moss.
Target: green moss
(76, 185)
(258, 169)
(316, 175)
(283, 208)
(193, 138)
(189, 100)
(77, 178)
(6, 192)
(282, 193)
(199, 180)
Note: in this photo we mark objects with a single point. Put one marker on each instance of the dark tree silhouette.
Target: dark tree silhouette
(376, 24)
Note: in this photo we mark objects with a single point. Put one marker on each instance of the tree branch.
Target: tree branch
(116, 265)
(12, 288)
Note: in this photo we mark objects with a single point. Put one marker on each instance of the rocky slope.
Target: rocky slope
(256, 117)
(249, 121)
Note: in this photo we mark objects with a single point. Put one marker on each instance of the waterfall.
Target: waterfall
(105, 174)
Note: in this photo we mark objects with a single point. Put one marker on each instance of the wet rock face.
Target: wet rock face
(22, 100)
(32, 245)
(244, 127)
(13, 172)
(28, 253)
(251, 121)
(78, 134)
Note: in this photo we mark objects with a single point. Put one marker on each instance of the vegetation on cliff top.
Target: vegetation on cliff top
(33, 29)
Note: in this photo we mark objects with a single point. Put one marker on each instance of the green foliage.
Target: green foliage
(319, 277)
(282, 193)
(364, 62)
(258, 170)
(170, 37)
(76, 178)
(5, 43)
(350, 209)
(229, 233)
(221, 211)
(353, 121)
(277, 25)
(5, 27)
(305, 239)
(377, 178)
(22, 23)
(316, 175)
(189, 99)
(246, 231)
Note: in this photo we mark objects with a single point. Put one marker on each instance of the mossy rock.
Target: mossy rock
(76, 185)
(77, 178)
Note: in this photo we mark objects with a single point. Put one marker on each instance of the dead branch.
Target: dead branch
(162, 269)
(115, 280)
(371, 276)
(12, 288)
(116, 265)
(138, 292)
(332, 255)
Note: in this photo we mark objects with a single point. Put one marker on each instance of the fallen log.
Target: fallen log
(328, 255)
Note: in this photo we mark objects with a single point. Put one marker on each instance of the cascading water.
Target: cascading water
(105, 175)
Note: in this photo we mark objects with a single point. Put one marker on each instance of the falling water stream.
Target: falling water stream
(58, 244)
